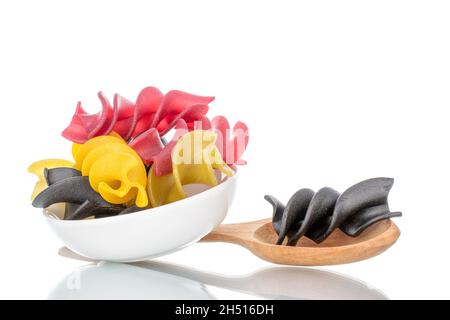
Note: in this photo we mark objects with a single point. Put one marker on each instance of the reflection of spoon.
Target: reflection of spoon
(163, 280)
(260, 238)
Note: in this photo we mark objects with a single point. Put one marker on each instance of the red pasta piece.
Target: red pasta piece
(190, 115)
(220, 125)
(231, 148)
(125, 110)
(163, 161)
(176, 101)
(148, 102)
(143, 124)
(147, 145)
(108, 117)
(203, 124)
(85, 126)
(76, 131)
(240, 131)
(94, 123)
(111, 121)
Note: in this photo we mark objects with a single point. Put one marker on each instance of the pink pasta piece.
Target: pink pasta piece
(94, 123)
(176, 102)
(107, 118)
(147, 145)
(124, 124)
(189, 115)
(76, 131)
(239, 142)
(143, 124)
(233, 147)
(85, 126)
(111, 121)
(148, 102)
(203, 124)
(163, 160)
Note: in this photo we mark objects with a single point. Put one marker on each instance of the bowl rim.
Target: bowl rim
(46, 212)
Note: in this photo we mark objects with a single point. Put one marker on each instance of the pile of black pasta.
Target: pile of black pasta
(317, 214)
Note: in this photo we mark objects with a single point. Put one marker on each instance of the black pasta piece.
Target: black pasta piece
(67, 185)
(70, 209)
(78, 212)
(88, 209)
(362, 205)
(121, 212)
(73, 190)
(294, 213)
(278, 209)
(56, 174)
(131, 209)
(317, 215)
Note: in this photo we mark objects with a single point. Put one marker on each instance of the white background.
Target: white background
(334, 92)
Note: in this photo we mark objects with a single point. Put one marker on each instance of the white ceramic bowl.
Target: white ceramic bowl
(148, 233)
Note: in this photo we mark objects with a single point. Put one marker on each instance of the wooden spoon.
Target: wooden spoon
(260, 237)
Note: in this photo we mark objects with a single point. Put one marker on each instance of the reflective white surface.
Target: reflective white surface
(159, 280)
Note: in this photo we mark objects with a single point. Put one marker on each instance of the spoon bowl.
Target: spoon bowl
(260, 238)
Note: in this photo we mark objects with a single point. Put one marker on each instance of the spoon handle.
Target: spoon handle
(237, 233)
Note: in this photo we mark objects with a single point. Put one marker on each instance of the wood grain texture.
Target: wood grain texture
(259, 237)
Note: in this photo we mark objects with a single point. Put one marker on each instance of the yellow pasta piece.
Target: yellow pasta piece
(82, 150)
(119, 178)
(76, 146)
(37, 168)
(194, 159)
(112, 147)
(114, 169)
(159, 187)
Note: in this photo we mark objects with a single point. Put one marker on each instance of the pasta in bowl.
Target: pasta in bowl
(130, 193)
